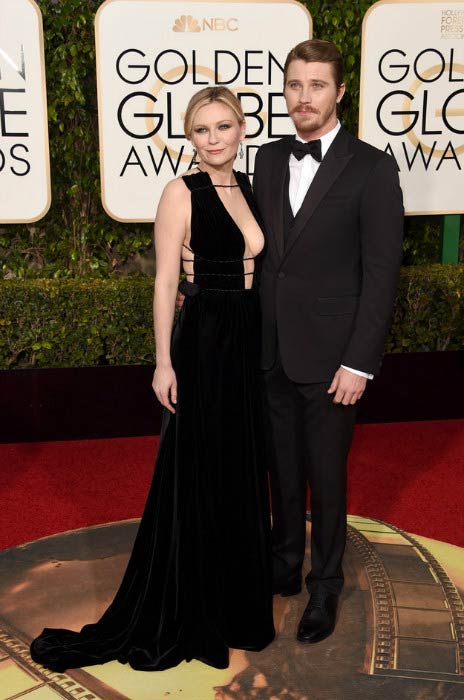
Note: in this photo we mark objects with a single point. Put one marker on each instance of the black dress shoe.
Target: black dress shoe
(287, 589)
(318, 620)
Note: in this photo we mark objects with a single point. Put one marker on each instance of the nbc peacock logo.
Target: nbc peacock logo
(186, 23)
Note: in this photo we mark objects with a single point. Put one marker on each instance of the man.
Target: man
(333, 213)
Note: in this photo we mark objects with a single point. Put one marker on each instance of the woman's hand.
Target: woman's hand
(165, 387)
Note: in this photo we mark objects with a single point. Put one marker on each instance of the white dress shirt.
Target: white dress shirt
(302, 173)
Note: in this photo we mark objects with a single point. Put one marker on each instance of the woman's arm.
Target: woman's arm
(170, 227)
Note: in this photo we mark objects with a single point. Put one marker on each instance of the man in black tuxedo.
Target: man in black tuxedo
(333, 215)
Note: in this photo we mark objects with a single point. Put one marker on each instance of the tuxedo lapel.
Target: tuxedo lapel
(276, 193)
(335, 161)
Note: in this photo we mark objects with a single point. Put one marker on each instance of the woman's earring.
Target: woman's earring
(194, 157)
(240, 153)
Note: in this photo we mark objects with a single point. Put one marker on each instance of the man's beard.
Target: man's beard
(306, 119)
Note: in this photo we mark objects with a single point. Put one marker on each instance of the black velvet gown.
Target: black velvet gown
(199, 577)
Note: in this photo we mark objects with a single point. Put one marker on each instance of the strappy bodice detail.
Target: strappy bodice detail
(215, 258)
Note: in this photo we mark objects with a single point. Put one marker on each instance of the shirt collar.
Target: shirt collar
(326, 140)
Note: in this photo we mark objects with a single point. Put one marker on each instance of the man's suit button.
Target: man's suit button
(281, 275)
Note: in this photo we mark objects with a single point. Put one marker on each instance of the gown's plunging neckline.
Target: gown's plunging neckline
(245, 242)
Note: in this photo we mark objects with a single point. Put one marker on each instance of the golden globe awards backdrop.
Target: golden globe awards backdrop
(412, 98)
(24, 157)
(153, 55)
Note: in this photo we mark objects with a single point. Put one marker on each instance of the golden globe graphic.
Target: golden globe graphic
(400, 631)
(153, 55)
(24, 157)
(412, 98)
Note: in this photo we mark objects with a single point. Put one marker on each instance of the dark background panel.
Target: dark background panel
(98, 402)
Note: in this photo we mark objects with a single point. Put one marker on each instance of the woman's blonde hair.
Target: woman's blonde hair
(216, 93)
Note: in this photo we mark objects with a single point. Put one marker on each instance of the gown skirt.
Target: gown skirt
(198, 579)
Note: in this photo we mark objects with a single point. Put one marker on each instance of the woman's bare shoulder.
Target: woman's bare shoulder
(175, 197)
(175, 187)
(178, 185)
(175, 191)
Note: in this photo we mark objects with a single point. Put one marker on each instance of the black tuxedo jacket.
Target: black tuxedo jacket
(327, 290)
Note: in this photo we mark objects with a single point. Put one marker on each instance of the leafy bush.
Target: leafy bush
(429, 310)
(63, 323)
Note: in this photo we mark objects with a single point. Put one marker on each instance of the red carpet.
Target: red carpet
(408, 474)
(411, 475)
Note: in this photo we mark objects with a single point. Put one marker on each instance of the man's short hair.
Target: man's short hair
(318, 50)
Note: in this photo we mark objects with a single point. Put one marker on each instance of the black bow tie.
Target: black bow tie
(301, 149)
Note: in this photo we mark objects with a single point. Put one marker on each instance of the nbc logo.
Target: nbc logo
(186, 23)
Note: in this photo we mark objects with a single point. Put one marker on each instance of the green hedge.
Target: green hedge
(63, 323)
(66, 323)
(429, 310)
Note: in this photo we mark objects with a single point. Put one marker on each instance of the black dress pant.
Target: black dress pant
(309, 440)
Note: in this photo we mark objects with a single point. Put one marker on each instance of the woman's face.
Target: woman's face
(216, 133)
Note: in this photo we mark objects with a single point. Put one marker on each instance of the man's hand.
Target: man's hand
(179, 300)
(347, 387)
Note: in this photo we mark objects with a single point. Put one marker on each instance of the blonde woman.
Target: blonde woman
(199, 577)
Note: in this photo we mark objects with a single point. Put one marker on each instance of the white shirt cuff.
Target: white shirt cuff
(358, 372)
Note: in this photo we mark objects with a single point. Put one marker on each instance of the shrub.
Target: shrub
(429, 310)
(66, 323)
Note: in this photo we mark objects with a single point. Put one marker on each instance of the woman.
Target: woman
(198, 580)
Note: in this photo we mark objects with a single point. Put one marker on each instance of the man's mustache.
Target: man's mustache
(303, 108)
